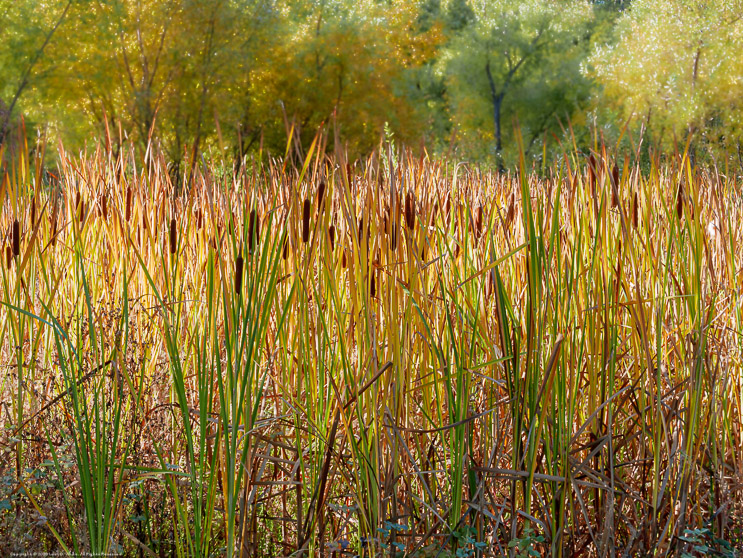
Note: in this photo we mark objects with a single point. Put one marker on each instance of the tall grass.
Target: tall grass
(395, 356)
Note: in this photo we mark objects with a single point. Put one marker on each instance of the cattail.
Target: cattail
(173, 237)
(615, 176)
(253, 230)
(104, 207)
(680, 202)
(343, 260)
(239, 274)
(410, 211)
(331, 236)
(478, 222)
(592, 172)
(433, 214)
(615, 186)
(8, 256)
(33, 211)
(511, 210)
(16, 238)
(320, 195)
(373, 285)
(306, 221)
(128, 211)
(286, 249)
(634, 211)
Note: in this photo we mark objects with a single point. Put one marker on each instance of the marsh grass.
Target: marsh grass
(432, 360)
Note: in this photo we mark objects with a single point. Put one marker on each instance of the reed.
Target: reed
(558, 373)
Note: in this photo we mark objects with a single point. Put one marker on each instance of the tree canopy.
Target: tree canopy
(233, 77)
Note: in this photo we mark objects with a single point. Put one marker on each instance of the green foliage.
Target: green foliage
(517, 62)
(235, 77)
(672, 68)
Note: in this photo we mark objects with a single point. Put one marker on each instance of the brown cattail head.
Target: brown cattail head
(320, 195)
(239, 274)
(104, 206)
(478, 222)
(331, 236)
(615, 176)
(33, 211)
(199, 219)
(680, 202)
(343, 260)
(128, 210)
(173, 236)
(286, 249)
(511, 213)
(8, 256)
(253, 230)
(373, 285)
(306, 221)
(54, 229)
(634, 211)
(410, 211)
(16, 238)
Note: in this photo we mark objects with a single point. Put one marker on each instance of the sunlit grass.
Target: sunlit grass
(396, 355)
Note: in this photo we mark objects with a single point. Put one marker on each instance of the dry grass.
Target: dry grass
(392, 356)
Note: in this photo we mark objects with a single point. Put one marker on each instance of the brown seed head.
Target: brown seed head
(478, 222)
(128, 211)
(253, 230)
(320, 195)
(331, 236)
(173, 236)
(634, 211)
(8, 256)
(680, 202)
(104, 206)
(239, 274)
(306, 221)
(16, 238)
(410, 211)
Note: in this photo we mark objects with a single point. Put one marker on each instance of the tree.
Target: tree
(519, 60)
(352, 63)
(26, 34)
(674, 67)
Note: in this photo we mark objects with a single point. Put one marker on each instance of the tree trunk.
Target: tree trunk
(497, 99)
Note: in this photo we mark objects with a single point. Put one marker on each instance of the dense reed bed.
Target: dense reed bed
(393, 357)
